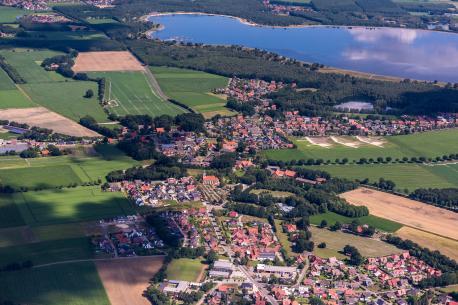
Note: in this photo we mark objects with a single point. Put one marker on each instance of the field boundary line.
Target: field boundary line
(97, 260)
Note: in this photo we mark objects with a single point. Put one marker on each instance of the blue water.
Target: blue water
(405, 53)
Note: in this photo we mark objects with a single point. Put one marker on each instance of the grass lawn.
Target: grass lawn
(377, 222)
(65, 35)
(283, 239)
(100, 20)
(9, 14)
(192, 88)
(134, 95)
(8, 135)
(39, 177)
(10, 96)
(70, 284)
(277, 194)
(184, 269)
(70, 205)
(336, 241)
(48, 251)
(74, 105)
(410, 176)
(9, 213)
(427, 144)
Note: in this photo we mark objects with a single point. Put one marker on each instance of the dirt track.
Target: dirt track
(106, 61)
(42, 117)
(126, 279)
(408, 212)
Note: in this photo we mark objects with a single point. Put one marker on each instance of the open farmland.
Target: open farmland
(427, 144)
(184, 269)
(106, 61)
(69, 284)
(42, 117)
(70, 205)
(444, 245)
(409, 212)
(126, 279)
(10, 95)
(193, 88)
(410, 176)
(10, 14)
(131, 93)
(336, 241)
(9, 213)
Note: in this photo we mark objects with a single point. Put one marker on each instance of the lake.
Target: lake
(406, 53)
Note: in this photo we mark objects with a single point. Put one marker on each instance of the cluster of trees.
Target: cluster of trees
(29, 153)
(160, 224)
(224, 161)
(64, 64)
(16, 266)
(354, 227)
(249, 209)
(244, 108)
(449, 278)
(355, 258)
(89, 122)
(447, 198)
(303, 241)
(156, 297)
(138, 147)
(11, 71)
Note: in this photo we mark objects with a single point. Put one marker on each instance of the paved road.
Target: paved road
(260, 286)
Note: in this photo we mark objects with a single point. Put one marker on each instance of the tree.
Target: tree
(323, 224)
(212, 257)
(89, 93)
(322, 245)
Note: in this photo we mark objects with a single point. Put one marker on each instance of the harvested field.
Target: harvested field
(406, 211)
(126, 279)
(106, 61)
(443, 245)
(346, 141)
(42, 117)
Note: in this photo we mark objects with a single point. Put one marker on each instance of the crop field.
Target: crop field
(131, 93)
(184, 269)
(409, 212)
(443, 245)
(74, 106)
(106, 61)
(406, 176)
(9, 14)
(58, 175)
(336, 241)
(68, 284)
(9, 213)
(377, 222)
(48, 251)
(10, 96)
(126, 279)
(193, 88)
(427, 144)
(70, 205)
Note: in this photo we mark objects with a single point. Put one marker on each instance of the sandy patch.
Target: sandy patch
(42, 117)
(409, 212)
(126, 279)
(443, 245)
(320, 141)
(106, 61)
(379, 142)
(346, 142)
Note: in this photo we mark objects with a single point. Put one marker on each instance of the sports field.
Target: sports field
(409, 212)
(336, 241)
(70, 205)
(377, 222)
(406, 176)
(428, 144)
(68, 284)
(130, 93)
(193, 88)
(184, 269)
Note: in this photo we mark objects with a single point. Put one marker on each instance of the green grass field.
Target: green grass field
(9, 213)
(336, 241)
(70, 205)
(134, 95)
(69, 284)
(65, 35)
(377, 222)
(39, 177)
(9, 14)
(10, 96)
(192, 88)
(427, 144)
(406, 176)
(184, 269)
(48, 251)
